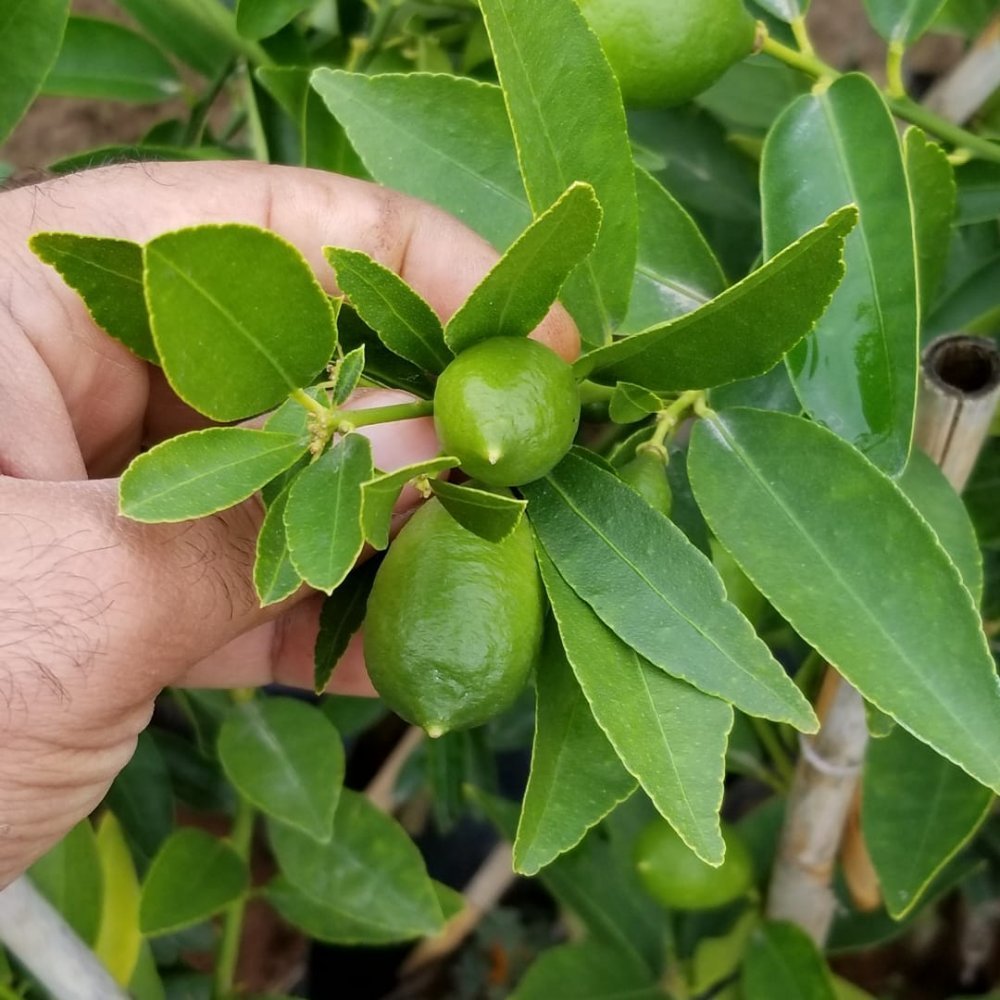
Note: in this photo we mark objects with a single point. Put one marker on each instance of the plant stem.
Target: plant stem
(380, 28)
(894, 70)
(798, 25)
(902, 107)
(769, 740)
(232, 929)
(349, 420)
(667, 419)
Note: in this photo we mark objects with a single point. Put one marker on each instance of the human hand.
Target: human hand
(100, 613)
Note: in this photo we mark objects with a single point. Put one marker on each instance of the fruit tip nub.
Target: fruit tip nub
(435, 731)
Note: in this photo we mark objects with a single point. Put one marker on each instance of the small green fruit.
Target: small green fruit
(647, 475)
(664, 52)
(507, 409)
(454, 622)
(676, 877)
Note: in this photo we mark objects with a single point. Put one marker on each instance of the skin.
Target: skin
(90, 603)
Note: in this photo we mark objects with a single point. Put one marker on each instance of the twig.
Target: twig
(380, 788)
(36, 933)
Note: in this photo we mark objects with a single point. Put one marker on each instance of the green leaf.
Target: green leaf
(142, 800)
(31, 32)
(932, 192)
(978, 192)
(676, 270)
(323, 516)
(590, 970)
(202, 472)
(203, 35)
(107, 275)
(669, 735)
(857, 372)
(118, 938)
(750, 95)
(491, 515)
(782, 961)
(69, 876)
(102, 60)
(260, 18)
(274, 575)
(630, 402)
(719, 957)
(242, 361)
(516, 294)
(193, 876)
(902, 21)
(118, 153)
(285, 757)
(348, 374)
(927, 488)
(381, 493)
(744, 331)
(463, 161)
(576, 777)
(369, 877)
(340, 617)
(404, 322)
(754, 474)
(785, 10)
(562, 138)
(918, 810)
(352, 714)
(981, 492)
(655, 590)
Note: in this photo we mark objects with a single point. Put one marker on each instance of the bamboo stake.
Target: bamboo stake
(380, 788)
(33, 930)
(959, 391)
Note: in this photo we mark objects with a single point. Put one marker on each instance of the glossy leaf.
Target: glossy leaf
(930, 492)
(742, 332)
(274, 575)
(119, 937)
(142, 800)
(323, 516)
(589, 970)
(630, 402)
(978, 184)
(348, 374)
(107, 275)
(857, 371)
(490, 515)
(102, 60)
(202, 472)
(576, 777)
(31, 33)
(912, 796)
(369, 875)
(208, 279)
(655, 590)
(382, 367)
(782, 493)
(782, 961)
(463, 161)
(750, 95)
(404, 322)
(516, 294)
(669, 735)
(340, 617)
(285, 757)
(260, 18)
(203, 35)
(561, 138)
(676, 270)
(69, 876)
(352, 715)
(381, 493)
(932, 192)
(785, 10)
(902, 21)
(193, 876)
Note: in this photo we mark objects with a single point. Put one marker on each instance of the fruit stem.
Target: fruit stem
(902, 107)
(240, 837)
(895, 87)
(591, 392)
(349, 420)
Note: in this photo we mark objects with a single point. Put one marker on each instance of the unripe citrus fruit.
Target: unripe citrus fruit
(508, 409)
(453, 623)
(647, 475)
(664, 52)
(676, 877)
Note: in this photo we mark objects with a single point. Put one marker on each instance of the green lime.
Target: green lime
(676, 877)
(453, 623)
(507, 409)
(647, 475)
(664, 52)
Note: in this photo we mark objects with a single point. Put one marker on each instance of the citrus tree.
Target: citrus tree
(652, 553)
